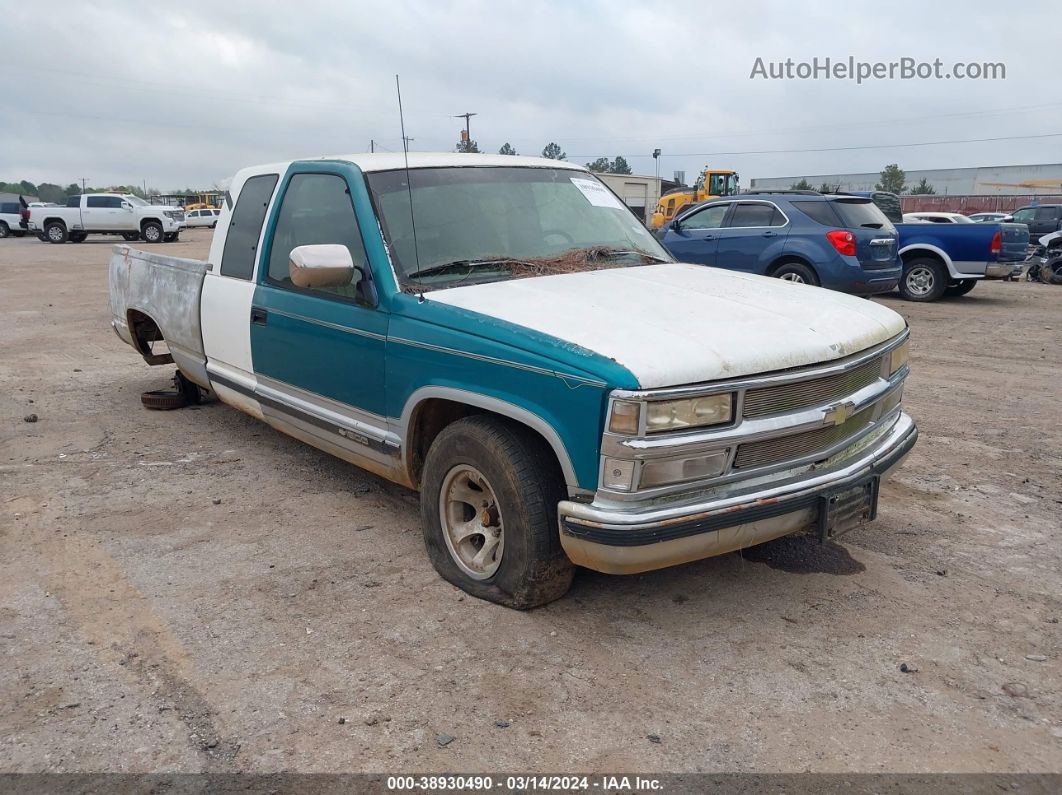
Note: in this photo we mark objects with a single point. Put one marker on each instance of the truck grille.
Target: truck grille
(804, 394)
(799, 445)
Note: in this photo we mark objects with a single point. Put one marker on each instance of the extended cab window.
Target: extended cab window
(316, 209)
(756, 215)
(73, 201)
(241, 241)
(708, 218)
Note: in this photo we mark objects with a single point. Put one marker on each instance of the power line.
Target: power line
(847, 148)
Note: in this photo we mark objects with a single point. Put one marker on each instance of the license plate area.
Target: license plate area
(846, 509)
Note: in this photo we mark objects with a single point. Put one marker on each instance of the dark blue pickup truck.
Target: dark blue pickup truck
(949, 259)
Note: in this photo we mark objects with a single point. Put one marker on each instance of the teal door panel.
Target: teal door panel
(327, 347)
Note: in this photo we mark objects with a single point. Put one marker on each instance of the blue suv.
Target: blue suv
(841, 242)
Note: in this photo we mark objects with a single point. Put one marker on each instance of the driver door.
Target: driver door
(695, 237)
(320, 350)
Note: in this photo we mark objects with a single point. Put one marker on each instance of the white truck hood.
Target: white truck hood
(675, 323)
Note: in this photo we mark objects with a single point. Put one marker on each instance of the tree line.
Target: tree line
(892, 178)
(50, 192)
(552, 150)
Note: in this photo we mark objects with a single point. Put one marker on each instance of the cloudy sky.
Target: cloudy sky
(183, 94)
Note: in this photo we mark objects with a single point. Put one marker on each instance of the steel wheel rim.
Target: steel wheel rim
(471, 522)
(920, 280)
(796, 278)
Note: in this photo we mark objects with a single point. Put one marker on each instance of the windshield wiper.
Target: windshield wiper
(626, 252)
(468, 265)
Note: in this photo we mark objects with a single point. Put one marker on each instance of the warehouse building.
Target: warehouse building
(983, 181)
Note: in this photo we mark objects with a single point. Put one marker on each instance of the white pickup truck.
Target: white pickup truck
(106, 214)
(503, 335)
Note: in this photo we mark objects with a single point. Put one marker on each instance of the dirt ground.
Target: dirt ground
(193, 591)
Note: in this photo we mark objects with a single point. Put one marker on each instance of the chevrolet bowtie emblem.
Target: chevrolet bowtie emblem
(839, 413)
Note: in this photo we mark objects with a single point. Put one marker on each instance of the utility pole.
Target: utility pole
(466, 117)
(405, 142)
(83, 180)
(372, 145)
(656, 159)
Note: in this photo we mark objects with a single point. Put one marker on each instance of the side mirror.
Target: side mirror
(322, 265)
(1008, 219)
(127, 206)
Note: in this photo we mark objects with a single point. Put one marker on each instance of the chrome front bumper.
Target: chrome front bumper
(627, 540)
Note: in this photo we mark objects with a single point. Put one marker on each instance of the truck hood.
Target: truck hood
(676, 323)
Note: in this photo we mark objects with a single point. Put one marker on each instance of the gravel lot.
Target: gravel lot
(193, 591)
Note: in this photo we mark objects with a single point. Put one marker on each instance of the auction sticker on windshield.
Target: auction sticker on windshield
(596, 193)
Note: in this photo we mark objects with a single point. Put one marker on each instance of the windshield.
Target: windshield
(134, 200)
(504, 218)
(962, 219)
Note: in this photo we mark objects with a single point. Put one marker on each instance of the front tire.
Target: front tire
(489, 497)
(130, 236)
(4, 230)
(923, 280)
(55, 232)
(170, 237)
(152, 232)
(961, 287)
(796, 272)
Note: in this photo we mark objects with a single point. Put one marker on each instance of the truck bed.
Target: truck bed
(153, 296)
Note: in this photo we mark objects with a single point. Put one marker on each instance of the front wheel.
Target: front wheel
(170, 237)
(152, 232)
(923, 280)
(4, 230)
(961, 287)
(130, 236)
(488, 500)
(796, 272)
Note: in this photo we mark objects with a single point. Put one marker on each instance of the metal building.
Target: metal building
(982, 181)
(639, 193)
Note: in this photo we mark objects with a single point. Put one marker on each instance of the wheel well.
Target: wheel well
(922, 253)
(789, 259)
(150, 220)
(145, 333)
(431, 416)
(54, 220)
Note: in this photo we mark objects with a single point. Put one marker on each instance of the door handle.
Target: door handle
(259, 315)
(769, 234)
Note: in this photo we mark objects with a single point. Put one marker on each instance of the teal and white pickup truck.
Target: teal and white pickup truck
(502, 334)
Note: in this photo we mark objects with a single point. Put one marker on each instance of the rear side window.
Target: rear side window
(1046, 213)
(820, 212)
(756, 215)
(860, 214)
(241, 242)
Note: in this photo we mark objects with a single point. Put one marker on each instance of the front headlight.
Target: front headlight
(673, 415)
(899, 355)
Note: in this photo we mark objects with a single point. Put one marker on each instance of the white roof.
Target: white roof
(389, 161)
